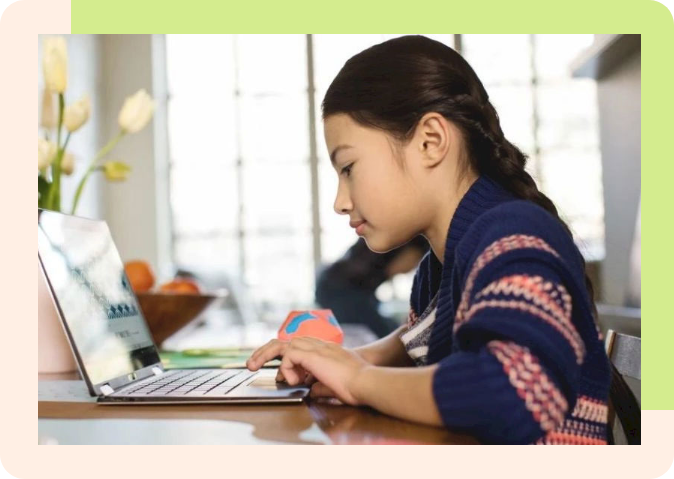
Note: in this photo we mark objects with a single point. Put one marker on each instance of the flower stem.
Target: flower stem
(92, 166)
(54, 196)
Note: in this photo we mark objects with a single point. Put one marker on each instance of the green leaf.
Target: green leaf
(42, 190)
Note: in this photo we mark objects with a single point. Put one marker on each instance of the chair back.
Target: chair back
(624, 351)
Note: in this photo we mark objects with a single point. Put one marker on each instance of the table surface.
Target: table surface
(310, 422)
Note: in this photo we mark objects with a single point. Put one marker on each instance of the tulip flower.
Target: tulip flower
(46, 151)
(136, 112)
(68, 163)
(77, 114)
(55, 64)
(49, 116)
(116, 170)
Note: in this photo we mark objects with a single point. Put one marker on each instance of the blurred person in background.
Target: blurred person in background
(348, 285)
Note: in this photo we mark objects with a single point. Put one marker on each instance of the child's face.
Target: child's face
(373, 185)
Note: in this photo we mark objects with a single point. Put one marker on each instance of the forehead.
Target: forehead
(338, 128)
(341, 129)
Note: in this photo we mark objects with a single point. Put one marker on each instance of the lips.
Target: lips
(359, 225)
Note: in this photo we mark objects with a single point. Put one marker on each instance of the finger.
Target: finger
(279, 377)
(262, 348)
(319, 390)
(292, 366)
(266, 353)
(309, 379)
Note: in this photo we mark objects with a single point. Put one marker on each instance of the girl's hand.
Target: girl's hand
(333, 369)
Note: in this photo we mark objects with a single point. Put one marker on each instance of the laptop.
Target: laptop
(109, 336)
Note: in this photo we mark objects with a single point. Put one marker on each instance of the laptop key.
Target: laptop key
(195, 393)
(218, 391)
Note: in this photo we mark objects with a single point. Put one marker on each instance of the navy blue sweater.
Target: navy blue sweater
(520, 357)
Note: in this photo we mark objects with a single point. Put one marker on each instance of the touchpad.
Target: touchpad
(268, 382)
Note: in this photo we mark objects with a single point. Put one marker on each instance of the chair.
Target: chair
(624, 351)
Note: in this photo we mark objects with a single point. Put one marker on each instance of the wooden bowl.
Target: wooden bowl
(166, 313)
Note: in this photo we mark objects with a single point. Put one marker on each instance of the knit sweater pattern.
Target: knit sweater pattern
(519, 357)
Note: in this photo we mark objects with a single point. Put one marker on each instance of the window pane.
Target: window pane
(204, 199)
(514, 105)
(272, 63)
(580, 168)
(200, 64)
(202, 131)
(499, 58)
(554, 54)
(277, 197)
(279, 271)
(275, 127)
(582, 205)
(208, 254)
(568, 115)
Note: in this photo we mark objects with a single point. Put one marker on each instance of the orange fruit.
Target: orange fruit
(180, 286)
(140, 275)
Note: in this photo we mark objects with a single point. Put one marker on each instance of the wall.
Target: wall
(136, 209)
(619, 96)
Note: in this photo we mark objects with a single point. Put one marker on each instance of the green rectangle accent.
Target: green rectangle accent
(650, 18)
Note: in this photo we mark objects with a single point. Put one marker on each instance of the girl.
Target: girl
(500, 341)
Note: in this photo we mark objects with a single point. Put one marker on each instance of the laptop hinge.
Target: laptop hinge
(157, 371)
(107, 390)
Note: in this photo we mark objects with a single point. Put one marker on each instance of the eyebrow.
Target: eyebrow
(336, 150)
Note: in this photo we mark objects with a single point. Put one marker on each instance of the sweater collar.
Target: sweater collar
(482, 195)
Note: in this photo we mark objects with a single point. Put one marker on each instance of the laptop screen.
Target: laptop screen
(100, 309)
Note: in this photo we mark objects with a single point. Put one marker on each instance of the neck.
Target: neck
(437, 232)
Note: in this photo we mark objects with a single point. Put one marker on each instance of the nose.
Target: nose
(343, 203)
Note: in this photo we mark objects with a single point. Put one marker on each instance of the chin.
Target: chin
(377, 244)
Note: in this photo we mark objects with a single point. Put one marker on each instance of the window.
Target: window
(241, 159)
(551, 117)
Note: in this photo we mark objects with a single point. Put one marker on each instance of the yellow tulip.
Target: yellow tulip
(116, 170)
(46, 151)
(77, 114)
(49, 117)
(55, 64)
(68, 163)
(136, 112)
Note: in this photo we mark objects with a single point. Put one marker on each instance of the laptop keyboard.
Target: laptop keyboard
(189, 383)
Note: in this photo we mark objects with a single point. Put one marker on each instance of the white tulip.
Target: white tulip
(49, 117)
(55, 64)
(77, 114)
(68, 163)
(46, 151)
(136, 112)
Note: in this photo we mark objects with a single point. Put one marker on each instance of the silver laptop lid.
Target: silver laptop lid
(98, 309)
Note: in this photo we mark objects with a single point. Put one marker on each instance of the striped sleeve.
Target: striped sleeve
(513, 376)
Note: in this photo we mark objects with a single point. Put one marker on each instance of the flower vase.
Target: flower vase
(53, 350)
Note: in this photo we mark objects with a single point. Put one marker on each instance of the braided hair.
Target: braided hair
(392, 85)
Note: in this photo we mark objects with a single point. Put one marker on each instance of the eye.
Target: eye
(347, 170)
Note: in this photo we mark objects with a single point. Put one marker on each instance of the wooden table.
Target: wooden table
(311, 422)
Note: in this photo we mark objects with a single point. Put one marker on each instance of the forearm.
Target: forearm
(388, 351)
(406, 393)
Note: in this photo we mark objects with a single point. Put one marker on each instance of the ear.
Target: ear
(433, 138)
